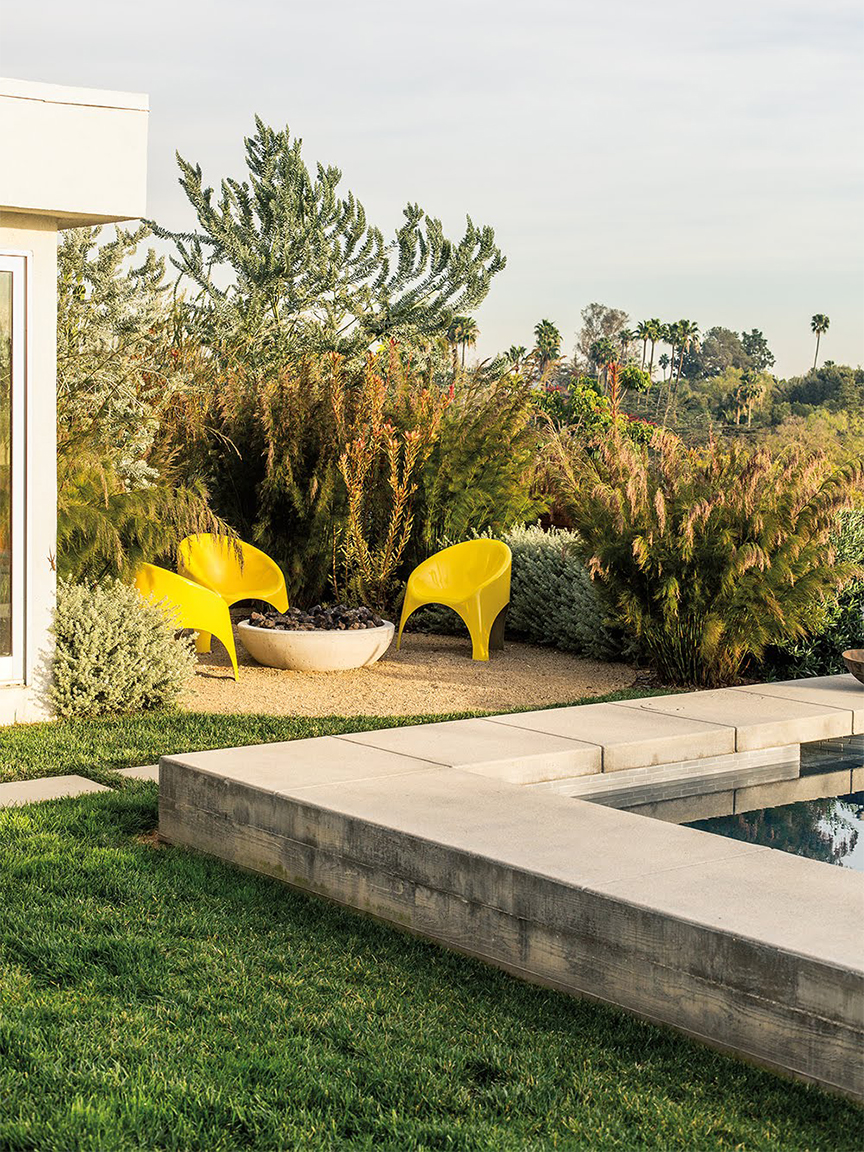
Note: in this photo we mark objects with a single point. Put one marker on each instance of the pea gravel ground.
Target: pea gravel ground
(430, 675)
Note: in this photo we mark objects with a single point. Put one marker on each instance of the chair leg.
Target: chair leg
(202, 642)
(473, 621)
(408, 606)
(496, 636)
(227, 639)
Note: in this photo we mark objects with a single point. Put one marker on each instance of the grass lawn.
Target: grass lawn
(97, 748)
(153, 998)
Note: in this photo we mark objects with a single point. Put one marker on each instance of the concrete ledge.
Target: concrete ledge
(834, 691)
(758, 721)
(754, 951)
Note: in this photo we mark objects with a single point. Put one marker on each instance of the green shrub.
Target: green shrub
(309, 463)
(115, 652)
(707, 556)
(552, 599)
(841, 625)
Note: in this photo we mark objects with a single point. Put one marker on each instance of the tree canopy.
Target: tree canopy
(285, 259)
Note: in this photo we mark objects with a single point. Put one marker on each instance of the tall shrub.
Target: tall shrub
(839, 626)
(310, 461)
(482, 470)
(708, 555)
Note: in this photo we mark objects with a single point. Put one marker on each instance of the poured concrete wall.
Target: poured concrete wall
(751, 950)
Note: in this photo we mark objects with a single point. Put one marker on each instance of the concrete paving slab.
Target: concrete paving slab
(628, 739)
(857, 783)
(787, 901)
(556, 835)
(20, 792)
(516, 755)
(638, 786)
(147, 772)
(758, 721)
(292, 763)
(835, 691)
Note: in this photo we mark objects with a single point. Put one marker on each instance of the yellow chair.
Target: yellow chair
(474, 580)
(233, 570)
(193, 606)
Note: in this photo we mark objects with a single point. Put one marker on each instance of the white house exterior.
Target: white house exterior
(70, 157)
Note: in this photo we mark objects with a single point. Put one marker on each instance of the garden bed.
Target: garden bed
(430, 675)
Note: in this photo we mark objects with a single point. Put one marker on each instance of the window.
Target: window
(13, 364)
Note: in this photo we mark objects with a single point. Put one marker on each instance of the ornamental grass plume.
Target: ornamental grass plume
(706, 555)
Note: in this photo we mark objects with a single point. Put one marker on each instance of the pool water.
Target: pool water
(827, 830)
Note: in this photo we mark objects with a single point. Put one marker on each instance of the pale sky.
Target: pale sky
(675, 159)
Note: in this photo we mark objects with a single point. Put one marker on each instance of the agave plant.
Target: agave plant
(706, 555)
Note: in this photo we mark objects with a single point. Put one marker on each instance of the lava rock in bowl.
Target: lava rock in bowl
(853, 658)
(331, 639)
(339, 618)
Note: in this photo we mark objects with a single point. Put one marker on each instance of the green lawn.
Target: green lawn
(152, 998)
(97, 748)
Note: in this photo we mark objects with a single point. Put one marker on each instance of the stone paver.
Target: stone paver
(517, 755)
(628, 739)
(146, 772)
(20, 792)
(783, 900)
(315, 761)
(834, 691)
(757, 721)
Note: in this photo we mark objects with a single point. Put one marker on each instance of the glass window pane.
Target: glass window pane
(5, 463)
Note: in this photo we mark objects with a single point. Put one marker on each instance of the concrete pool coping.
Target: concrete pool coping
(752, 950)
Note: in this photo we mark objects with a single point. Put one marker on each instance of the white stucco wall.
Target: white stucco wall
(83, 152)
(70, 157)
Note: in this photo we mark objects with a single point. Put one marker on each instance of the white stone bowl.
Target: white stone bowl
(321, 650)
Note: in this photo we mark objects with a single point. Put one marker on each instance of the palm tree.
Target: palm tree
(643, 333)
(664, 363)
(819, 324)
(602, 353)
(468, 333)
(516, 354)
(655, 333)
(752, 388)
(687, 332)
(454, 336)
(625, 338)
(548, 343)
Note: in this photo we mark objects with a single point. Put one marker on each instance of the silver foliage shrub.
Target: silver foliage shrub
(115, 652)
(552, 599)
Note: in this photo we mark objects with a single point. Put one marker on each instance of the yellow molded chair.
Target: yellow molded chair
(474, 580)
(233, 570)
(193, 606)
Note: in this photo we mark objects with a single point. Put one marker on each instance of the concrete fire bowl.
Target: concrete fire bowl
(321, 650)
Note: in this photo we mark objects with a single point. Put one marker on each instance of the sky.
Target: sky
(675, 159)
